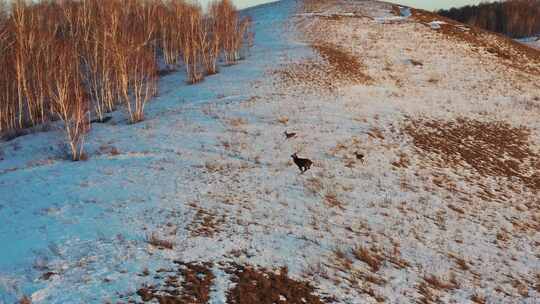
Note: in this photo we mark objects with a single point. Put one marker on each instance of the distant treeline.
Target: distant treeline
(514, 18)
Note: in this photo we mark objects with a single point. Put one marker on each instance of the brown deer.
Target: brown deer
(289, 135)
(359, 156)
(303, 164)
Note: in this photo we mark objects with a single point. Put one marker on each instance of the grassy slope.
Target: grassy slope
(425, 216)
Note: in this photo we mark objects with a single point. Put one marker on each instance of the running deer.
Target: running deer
(289, 135)
(303, 164)
(359, 156)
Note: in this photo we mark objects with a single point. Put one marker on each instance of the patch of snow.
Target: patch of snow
(404, 15)
(531, 41)
(436, 25)
(405, 12)
(218, 147)
(220, 287)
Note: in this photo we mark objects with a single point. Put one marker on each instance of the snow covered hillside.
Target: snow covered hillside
(424, 136)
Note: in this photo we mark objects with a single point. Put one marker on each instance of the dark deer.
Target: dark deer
(303, 164)
(359, 156)
(289, 135)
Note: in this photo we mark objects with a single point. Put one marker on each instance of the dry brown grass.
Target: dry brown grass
(205, 223)
(371, 293)
(427, 294)
(521, 287)
(342, 260)
(25, 300)
(314, 185)
(190, 283)
(316, 270)
(492, 148)
(396, 259)
(509, 52)
(373, 259)
(476, 298)
(374, 279)
(376, 133)
(311, 6)
(440, 284)
(198, 279)
(456, 208)
(344, 66)
(306, 75)
(265, 287)
(213, 166)
(337, 68)
(331, 200)
(403, 161)
(237, 122)
(537, 284)
(461, 262)
(432, 286)
(154, 240)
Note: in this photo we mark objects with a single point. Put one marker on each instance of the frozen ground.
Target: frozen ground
(444, 206)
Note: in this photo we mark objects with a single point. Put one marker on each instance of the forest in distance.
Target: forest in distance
(514, 18)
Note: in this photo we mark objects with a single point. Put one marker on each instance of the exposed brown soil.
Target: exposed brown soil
(265, 287)
(190, 283)
(338, 67)
(510, 52)
(345, 66)
(490, 148)
(309, 74)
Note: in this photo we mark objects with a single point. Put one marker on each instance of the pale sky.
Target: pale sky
(435, 4)
(425, 4)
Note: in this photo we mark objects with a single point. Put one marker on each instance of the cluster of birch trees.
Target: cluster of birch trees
(75, 60)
